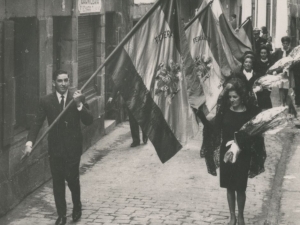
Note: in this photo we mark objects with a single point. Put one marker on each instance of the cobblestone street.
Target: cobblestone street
(123, 185)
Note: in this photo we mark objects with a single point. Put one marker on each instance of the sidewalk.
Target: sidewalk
(123, 185)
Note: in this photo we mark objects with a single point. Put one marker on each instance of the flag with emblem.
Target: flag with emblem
(212, 56)
(149, 73)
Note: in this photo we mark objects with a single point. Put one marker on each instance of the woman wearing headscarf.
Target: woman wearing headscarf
(235, 107)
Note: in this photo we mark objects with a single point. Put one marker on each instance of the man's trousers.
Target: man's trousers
(134, 128)
(65, 170)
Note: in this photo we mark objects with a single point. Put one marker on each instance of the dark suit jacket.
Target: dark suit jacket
(248, 83)
(258, 43)
(261, 68)
(65, 138)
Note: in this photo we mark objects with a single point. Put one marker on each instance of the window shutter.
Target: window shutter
(86, 52)
(8, 80)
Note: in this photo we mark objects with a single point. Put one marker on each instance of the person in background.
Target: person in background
(261, 67)
(233, 21)
(258, 41)
(134, 126)
(277, 55)
(269, 44)
(264, 33)
(64, 141)
(248, 75)
(246, 55)
(296, 70)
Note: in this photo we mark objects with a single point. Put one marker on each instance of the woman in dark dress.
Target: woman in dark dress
(235, 108)
(261, 67)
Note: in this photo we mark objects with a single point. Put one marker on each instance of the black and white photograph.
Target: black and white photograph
(149, 112)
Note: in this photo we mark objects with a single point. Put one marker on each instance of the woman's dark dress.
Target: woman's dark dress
(263, 97)
(234, 175)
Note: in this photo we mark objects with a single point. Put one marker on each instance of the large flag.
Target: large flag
(245, 32)
(148, 71)
(237, 46)
(212, 55)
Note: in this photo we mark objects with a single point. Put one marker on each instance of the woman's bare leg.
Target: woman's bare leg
(231, 204)
(241, 200)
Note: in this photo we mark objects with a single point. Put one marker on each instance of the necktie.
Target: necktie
(62, 103)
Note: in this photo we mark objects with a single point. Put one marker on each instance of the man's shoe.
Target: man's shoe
(61, 220)
(76, 215)
(134, 144)
(145, 140)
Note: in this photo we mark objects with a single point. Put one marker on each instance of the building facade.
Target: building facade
(36, 38)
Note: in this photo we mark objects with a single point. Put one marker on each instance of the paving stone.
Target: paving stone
(131, 186)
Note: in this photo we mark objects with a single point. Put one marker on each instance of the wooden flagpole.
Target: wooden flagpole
(197, 15)
(248, 18)
(120, 45)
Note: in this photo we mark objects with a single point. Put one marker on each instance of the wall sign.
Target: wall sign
(89, 6)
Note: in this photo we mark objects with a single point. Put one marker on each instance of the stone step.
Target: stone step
(109, 125)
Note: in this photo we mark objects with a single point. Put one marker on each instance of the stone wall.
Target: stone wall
(19, 178)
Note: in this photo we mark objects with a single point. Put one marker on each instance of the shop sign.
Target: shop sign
(89, 6)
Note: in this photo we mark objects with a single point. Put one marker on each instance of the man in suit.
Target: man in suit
(258, 41)
(134, 126)
(64, 141)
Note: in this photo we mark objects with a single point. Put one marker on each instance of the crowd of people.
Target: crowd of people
(237, 104)
(263, 58)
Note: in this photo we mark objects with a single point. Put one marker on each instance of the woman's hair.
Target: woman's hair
(248, 57)
(248, 53)
(265, 48)
(286, 38)
(264, 30)
(238, 85)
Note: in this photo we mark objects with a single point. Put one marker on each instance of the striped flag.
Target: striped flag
(245, 32)
(212, 55)
(149, 73)
(237, 46)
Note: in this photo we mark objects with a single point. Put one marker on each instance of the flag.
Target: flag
(149, 73)
(245, 32)
(212, 57)
(237, 46)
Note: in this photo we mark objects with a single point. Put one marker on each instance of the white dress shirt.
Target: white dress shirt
(29, 143)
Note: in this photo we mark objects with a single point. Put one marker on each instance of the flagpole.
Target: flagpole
(120, 45)
(248, 18)
(197, 15)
